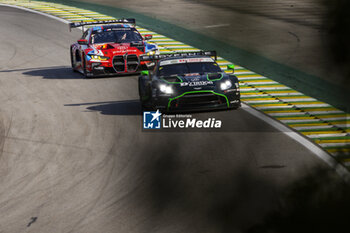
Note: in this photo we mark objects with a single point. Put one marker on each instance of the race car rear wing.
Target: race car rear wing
(82, 23)
(168, 55)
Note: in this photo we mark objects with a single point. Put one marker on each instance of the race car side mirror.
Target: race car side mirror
(148, 37)
(145, 73)
(231, 67)
(82, 42)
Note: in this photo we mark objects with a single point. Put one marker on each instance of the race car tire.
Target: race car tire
(236, 106)
(72, 60)
(85, 73)
(145, 101)
(141, 90)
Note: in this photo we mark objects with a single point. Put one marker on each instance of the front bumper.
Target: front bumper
(198, 100)
(117, 65)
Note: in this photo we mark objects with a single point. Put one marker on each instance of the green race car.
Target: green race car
(188, 82)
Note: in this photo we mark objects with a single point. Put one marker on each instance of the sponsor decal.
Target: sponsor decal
(124, 50)
(195, 79)
(192, 74)
(196, 83)
(186, 60)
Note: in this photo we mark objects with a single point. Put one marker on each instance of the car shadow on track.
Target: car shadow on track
(58, 72)
(61, 72)
(126, 107)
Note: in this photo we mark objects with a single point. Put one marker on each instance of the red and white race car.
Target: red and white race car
(109, 48)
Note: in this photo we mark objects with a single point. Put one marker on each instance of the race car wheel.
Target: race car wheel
(72, 61)
(141, 92)
(85, 73)
(144, 98)
(236, 106)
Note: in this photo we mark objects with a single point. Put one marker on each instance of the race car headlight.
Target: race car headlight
(225, 85)
(102, 58)
(166, 89)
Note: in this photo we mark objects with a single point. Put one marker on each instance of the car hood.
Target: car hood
(119, 48)
(195, 81)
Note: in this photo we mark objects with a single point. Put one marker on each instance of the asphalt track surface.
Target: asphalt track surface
(73, 157)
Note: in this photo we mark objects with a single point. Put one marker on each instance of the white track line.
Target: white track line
(284, 94)
(339, 144)
(217, 25)
(339, 168)
(286, 114)
(326, 135)
(300, 121)
(313, 127)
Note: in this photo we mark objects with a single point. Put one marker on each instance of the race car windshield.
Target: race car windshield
(187, 68)
(115, 36)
